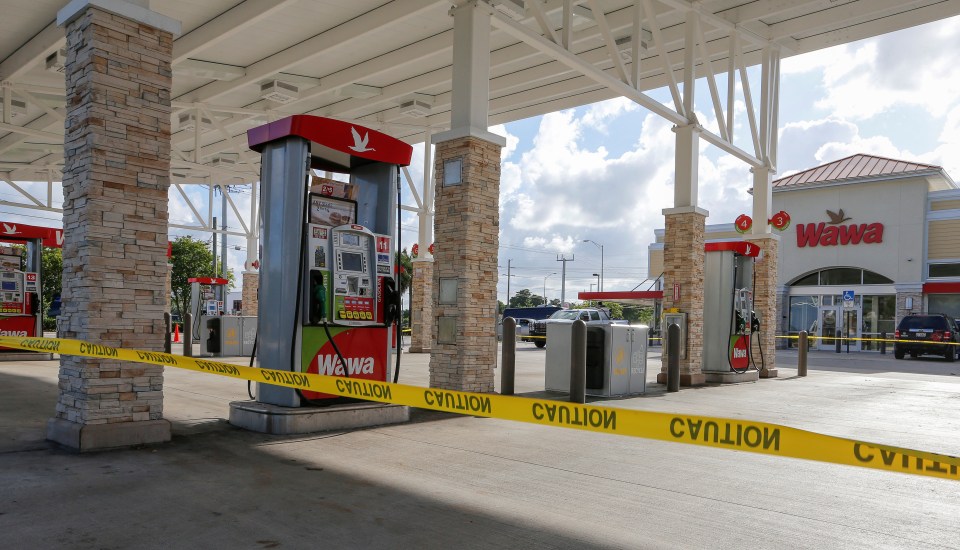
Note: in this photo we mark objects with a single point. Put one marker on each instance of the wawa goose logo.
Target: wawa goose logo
(833, 233)
(360, 143)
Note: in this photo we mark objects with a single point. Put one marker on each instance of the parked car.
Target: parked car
(590, 316)
(927, 334)
(523, 328)
(525, 317)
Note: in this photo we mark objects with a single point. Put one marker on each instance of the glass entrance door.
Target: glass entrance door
(827, 329)
(839, 323)
(851, 329)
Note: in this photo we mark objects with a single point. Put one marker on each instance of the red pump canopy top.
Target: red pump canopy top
(336, 146)
(208, 280)
(738, 247)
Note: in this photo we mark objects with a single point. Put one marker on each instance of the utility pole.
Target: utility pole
(563, 277)
(223, 246)
(214, 246)
(508, 284)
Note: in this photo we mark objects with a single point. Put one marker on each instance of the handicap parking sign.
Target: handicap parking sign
(848, 298)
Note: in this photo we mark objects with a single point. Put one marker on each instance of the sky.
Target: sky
(604, 172)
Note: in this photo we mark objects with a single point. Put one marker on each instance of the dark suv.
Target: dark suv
(930, 333)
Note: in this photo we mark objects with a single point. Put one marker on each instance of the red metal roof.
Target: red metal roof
(622, 296)
(853, 167)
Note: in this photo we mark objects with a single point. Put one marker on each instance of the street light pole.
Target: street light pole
(600, 246)
(545, 287)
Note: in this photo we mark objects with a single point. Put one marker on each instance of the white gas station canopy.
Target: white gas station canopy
(387, 65)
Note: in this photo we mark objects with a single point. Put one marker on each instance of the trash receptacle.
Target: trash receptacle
(213, 336)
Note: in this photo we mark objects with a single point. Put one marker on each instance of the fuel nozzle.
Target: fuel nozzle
(754, 322)
(740, 324)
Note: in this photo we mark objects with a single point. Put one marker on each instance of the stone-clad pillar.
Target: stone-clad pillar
(765, 302)
(464, 352)
(683, 265)
(248, 298)
(421, 307)
(116, 176)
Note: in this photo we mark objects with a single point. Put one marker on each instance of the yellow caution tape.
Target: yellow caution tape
(725, 433)
(851, 339)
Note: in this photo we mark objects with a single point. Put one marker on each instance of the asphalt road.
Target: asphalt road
(445, 481)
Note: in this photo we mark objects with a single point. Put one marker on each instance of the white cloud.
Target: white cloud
(512, 140)
(913, 67)
(598, 114)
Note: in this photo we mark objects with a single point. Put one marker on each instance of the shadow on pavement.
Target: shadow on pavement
(216, 486)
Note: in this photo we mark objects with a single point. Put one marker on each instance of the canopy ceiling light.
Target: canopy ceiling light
(416, 105)
(279, 91)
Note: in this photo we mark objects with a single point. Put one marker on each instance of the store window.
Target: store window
(878, 319)
(944, 270)
(842, 276)
(802, 316)
(944, 303)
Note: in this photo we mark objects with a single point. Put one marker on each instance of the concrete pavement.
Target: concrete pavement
(444, 481)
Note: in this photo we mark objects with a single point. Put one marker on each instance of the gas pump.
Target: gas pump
(728, 315)
(20, 304)
(203, 301)
(328, 299)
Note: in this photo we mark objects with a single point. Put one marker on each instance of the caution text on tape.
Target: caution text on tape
(743, 435)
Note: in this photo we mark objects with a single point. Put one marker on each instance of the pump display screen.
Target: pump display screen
(9, 285)
(350, 239)
(350, 261)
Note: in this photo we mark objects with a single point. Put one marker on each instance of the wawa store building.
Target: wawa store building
(887, 231)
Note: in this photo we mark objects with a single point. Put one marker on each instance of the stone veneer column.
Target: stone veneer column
(421, 307)
(116, 176)
(908, 291)
(249, 303)
(765, 301)
(464, 352)
(683, 263)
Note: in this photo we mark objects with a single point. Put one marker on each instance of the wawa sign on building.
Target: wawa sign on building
(837, 233)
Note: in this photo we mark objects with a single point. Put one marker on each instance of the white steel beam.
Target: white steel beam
(711, 81)
(689, 69)
(601, 19)
(22, 191)
(30, 207)
(29, 132)
(253, 236)
(636, 35)
(413, 189)
(563, 56)
(748, 100)
(190, 205)
(425, 216)
(661, 47)
(7, 116)
(27, 96)
(545, 26)
(732, 82)
(233, 206)
(208, 230)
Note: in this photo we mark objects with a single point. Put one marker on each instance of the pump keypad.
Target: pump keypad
(354, 308)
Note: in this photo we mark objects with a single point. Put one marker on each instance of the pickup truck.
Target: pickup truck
(591, 316)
